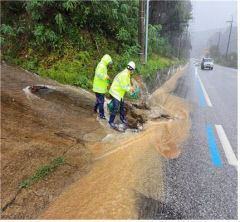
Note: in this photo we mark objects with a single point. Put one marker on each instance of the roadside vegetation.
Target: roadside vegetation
(64, 40)
(42, 172)
(231, 60)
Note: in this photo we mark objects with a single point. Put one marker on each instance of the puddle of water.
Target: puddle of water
(29, 94)
(63, 97)
(40, 89)
(32, 92)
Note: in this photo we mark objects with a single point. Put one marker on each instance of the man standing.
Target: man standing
(120, 85)
(100, 83)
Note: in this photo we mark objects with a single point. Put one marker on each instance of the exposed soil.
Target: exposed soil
(33, 132)
(129, 165)
(42, 119)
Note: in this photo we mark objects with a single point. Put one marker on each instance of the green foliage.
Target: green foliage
(156, 62)
(69, 5)
(58, 161)
(118, 18)
(123, 35)
(175, 16)
(230, 61)
(42, 172)
(2, 40)
(38, 32)
(7, 30)
(64, 40)
(43, 35)
(60, 23)
(31, 64)
(25, 183)
(155, 42)
(73, 69)
(121, 61)
(214, 51)
(20, 30)
(84, 82)
(158, 45)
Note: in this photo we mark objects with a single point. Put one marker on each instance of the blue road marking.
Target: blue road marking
(213, 147)
(200, 92)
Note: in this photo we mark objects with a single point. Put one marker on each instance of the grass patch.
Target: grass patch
(76, 66)
(154, 63)
(58, 161)
(42, 172)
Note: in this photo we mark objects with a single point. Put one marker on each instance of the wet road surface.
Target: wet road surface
(202, 182)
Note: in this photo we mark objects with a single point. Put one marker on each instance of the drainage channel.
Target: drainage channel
(40, 89)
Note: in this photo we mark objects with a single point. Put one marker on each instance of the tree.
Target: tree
(214, 51)
(173, 16)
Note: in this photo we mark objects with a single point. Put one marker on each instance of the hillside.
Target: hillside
(65, 40)
(233, 45)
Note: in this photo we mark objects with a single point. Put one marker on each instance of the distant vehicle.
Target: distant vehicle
(207, 63)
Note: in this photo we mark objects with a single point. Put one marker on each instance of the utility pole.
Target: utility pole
(218, 50)
(141, 30)
(229, 36)
(219, 37)
(146, 39)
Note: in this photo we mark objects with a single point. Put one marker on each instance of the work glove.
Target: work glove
(135, 93)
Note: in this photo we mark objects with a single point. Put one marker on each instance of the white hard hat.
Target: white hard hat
(131, 65)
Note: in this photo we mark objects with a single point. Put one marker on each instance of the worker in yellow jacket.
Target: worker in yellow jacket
(120, 85)
(100, 83)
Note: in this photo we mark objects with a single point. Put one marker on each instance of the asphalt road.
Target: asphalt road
(202, 182)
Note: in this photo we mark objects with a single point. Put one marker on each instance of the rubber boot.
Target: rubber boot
(111, 121)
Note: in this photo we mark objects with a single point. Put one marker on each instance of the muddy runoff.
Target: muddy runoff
(128, 165)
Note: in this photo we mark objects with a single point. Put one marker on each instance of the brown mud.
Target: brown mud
(105, 169)
(34, 131)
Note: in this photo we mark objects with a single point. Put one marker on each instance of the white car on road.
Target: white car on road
(207, 63)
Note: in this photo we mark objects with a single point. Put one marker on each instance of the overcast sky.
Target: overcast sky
(213, 14)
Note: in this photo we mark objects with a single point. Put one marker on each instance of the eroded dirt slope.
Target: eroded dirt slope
(130, 169)
(105, 171)
(36, 130)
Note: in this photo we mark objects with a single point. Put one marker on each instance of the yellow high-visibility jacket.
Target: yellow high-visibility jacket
(100, 79)
(120, 85)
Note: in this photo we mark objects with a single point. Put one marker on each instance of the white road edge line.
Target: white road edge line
(232, 160)
(196, 72)
(205, 92)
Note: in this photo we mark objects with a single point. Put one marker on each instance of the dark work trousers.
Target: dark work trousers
(115, 109)
(99, 102)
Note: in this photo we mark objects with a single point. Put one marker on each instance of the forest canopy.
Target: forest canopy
(71, 36)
